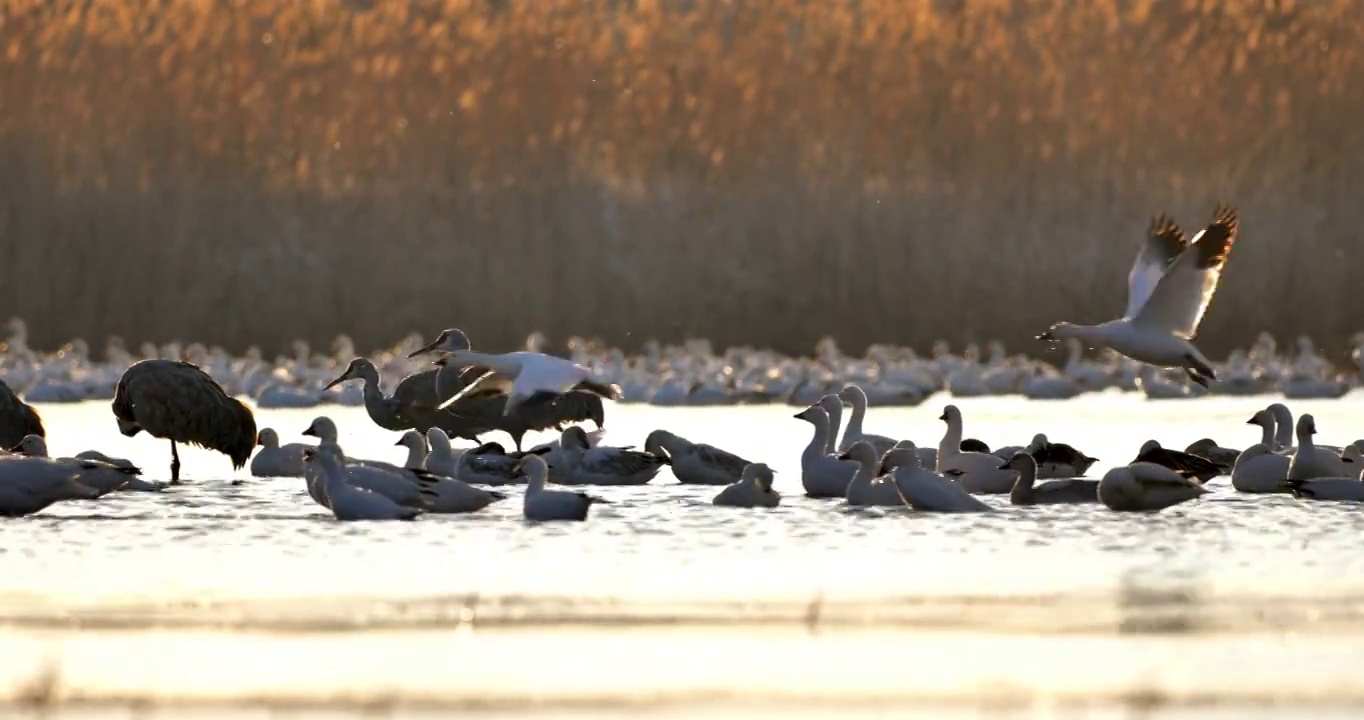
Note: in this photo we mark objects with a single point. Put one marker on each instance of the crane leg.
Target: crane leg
(175, 464)
(516, 438)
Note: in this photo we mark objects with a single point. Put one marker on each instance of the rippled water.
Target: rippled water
(223, 592)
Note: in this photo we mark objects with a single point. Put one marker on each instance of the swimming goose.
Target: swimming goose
(925, 490)
(696, 463)
(415, 443)
(823, 475)
(29, 484)
(1144, 486)
(1259, 470)
(101, 476)
(135, 483)
(1169, 289)
(1186, 464)
(601, 465)
(275, 460)
(1350, 489)
(833, 405)
(541, 503)
(753, 490)
(1052, 492)
(405, 486)
(489, 464)
(526, 378)
(1057, 460)
(1311, 461)
(1210, 450)
(443, 459)
(978, 473)
(854, 395)
(865, 488)
(346, 500)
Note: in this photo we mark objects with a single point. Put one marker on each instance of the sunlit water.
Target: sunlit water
(250, 595)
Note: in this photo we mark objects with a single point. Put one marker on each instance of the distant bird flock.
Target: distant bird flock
(446, 391)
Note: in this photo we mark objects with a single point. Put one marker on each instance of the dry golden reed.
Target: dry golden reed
(759, 172)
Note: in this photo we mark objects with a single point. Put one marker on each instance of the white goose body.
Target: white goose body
(979, 473)
(1170, 287)
(822, 475)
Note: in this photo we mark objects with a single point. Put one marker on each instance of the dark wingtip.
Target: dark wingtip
(496, 495)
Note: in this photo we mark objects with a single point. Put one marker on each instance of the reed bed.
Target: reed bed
(249, 171)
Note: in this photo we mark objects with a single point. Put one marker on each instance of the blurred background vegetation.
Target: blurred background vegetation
(753, 171)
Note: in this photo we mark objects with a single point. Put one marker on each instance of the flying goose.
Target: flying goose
(1169, 289)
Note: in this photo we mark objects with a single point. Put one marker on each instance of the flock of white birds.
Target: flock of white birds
(185, 394)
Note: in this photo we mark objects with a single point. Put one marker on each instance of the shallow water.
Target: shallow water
(220, 593)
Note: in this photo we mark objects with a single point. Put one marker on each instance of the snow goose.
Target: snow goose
(1259, 470)
(696, 463)
(527, 378)
(1057, 460)
(347, 501)
(415, 443)
(823, 475)
(29, 484)
(1311, 461)
(754, 489)
(541, 503)
(1144, 486)
(275, 460)
(855, 396)
(925, 490)
(1208, 449)
(1186, 464)
(101, 476)
(443, 459)
(1169, 289)
(489, 464)
(865, 488)
(404, 486)
(978, 472)
(1053, 492)
(1350, 489)
(602, 465)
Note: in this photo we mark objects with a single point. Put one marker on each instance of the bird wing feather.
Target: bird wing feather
(1182, 295)
(1164, 242)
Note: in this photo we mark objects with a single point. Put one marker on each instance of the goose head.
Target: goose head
(758, 474)
(267, 437)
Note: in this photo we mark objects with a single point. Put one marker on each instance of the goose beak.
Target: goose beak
(400, 442)
(943, 417)
(1047, 336)
(310, 432)
(844, 456)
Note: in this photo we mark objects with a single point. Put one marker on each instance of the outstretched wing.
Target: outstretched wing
(1164, 243)
(1185, 290)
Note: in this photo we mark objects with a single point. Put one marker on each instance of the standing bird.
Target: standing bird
(527, 379)
(175, 400)
(18, 419)
(1168, 290)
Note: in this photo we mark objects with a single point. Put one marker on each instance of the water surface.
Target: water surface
(233, 588)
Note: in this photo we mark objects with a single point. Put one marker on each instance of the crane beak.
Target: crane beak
(344, 376)
(425, 349)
